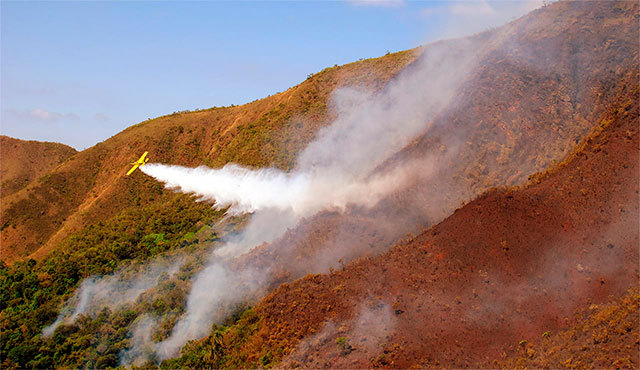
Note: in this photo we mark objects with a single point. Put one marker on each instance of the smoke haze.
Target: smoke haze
(112, 291)
(342, 167)
(351, 164)
(360, 177)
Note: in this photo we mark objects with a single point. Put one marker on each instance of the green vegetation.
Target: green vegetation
(226, 347)
(254, 142)
(344, 345)
(31, 292)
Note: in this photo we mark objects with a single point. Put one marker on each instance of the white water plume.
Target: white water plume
(241, 189)
(246, 191)
(341, 167)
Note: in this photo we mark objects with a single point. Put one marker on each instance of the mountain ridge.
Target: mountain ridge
(97, 171)
(25, 160)
(498, 264)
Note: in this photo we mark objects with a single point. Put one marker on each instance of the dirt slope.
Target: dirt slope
(91, 187)
(556, 71)
(24, 161)
(21, 163)
(541, 104)
(509, 266)
(503, 134)
(605, 336)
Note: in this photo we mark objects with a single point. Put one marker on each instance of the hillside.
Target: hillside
(24, 161)
(504, 269)
(486, 138)
(90, 187)
(500, 265)
(503, 126)
(604, 336)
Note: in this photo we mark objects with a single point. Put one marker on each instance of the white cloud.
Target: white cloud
(101, 117)
(39, 114)
(380, 3)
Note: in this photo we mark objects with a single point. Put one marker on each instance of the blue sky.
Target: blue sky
(80, 72)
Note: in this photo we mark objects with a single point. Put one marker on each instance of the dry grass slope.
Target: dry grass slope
(509, 266)
(90, 187)
(24, 161)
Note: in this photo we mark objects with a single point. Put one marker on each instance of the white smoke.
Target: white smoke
(143, 347)
(341, 167)
(337, 168)
(215, 293)
(373, 322)
(347, 164)
(112, 291)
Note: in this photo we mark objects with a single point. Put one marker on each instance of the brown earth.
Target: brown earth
(509, 266)
(91, 186)
(525, 128)
(605, 336)
(24, 161)
(555, 67)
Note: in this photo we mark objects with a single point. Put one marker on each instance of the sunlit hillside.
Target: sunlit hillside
(90, 187)
(24, 161)
(461, 204)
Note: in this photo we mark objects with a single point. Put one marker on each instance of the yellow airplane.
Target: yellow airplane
(139, 162)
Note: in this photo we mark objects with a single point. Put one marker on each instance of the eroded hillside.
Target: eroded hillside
(507, 103)
(503, 272)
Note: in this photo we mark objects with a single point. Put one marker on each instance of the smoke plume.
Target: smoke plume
(342, 167)
(349, 164)
(112, 291)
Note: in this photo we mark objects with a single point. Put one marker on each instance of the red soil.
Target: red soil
(508, 266)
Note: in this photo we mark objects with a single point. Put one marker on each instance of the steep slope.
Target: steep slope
(123, 219)
(91, 187)
(553, 69)
(24, 161)
(487, 137)
(605, 336)
(509, 266)
(21, 163)
(555, 72)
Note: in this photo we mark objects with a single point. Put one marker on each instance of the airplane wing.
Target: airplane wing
(141, 160)
(133, 169)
